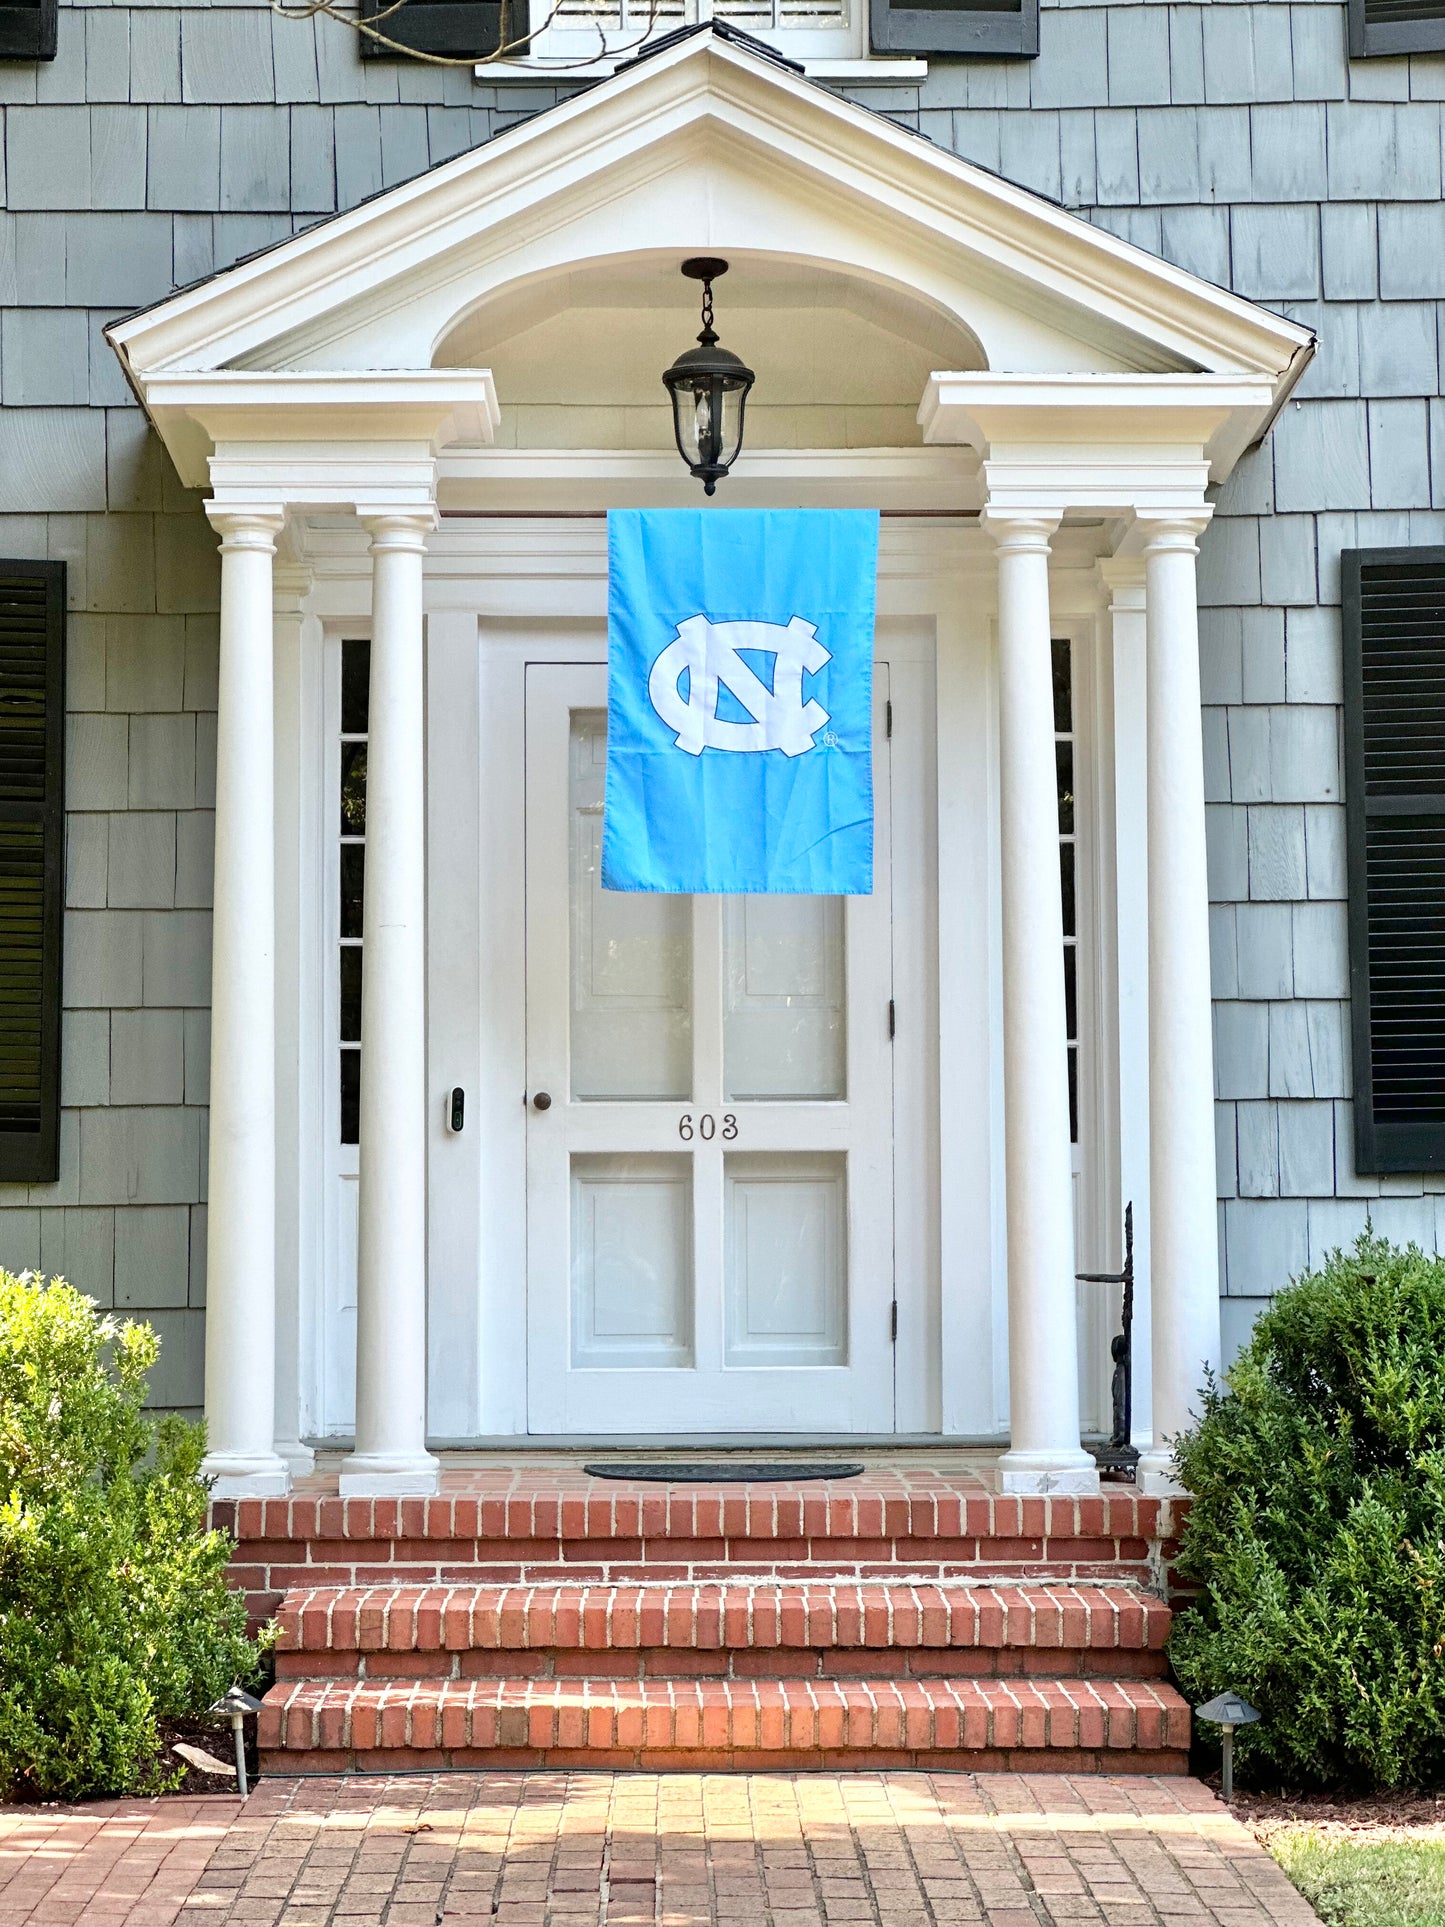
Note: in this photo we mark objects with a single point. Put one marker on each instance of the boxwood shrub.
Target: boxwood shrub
(114, 1612)
(1317, 1532)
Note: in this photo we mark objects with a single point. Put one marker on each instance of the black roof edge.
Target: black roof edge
(724, 30)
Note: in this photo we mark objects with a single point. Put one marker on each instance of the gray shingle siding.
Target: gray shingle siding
(1235, 139)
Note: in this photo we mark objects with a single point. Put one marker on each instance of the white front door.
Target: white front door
(709, 1127)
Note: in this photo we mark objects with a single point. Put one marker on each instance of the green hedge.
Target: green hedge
(1317, 1531)
(114, 1612)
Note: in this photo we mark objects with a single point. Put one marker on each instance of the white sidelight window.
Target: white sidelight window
(1063, 652)
(351, 877)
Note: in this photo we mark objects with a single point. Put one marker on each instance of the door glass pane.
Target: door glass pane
(632, 1260)
(783, 1029)
(785, 1263)
(631, 963)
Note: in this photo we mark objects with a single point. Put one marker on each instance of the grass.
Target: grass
(1364, 1882)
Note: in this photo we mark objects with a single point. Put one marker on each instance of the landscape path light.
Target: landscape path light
(1226, 1711)
(235, 1704)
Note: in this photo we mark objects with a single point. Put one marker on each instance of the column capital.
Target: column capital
(1123, 579)
(1021, 531)
(247, 525)
(401, 528)
(290, 585)
(1177, 530)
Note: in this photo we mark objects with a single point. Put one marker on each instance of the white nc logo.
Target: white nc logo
(709, 652)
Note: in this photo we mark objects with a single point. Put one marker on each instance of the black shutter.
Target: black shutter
(456, 29)
(1394, 660)
(1396, 27)
(28, 29)
(954, 27)
(32, 866)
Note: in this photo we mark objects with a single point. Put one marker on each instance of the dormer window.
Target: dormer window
(589, 39)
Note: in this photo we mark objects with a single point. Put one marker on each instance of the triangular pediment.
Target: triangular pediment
(707, 147)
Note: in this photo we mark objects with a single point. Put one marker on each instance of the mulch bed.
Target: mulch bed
(1370, 1816)
(214, 1737)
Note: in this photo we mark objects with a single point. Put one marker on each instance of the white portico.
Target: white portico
(407, 421)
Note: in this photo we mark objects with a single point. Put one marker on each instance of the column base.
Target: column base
(240, 1475)
(299, 1458)
(1042, 1472)
(1156, 1476)
(389, 1475)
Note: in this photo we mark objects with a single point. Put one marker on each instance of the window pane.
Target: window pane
(351, 994)
(350, 1096)
(1063, 688)
(783, 1025)
(355, 680)
(1071, 992)
(353, 789)
(631, 956)
(353, 873)
(1066, 879)
(1064, 760)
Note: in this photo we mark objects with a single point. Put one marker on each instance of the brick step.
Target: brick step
(812, 1628)
(552, 1524)
(1068, 1725)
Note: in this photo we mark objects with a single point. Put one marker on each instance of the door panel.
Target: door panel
(710, 1233)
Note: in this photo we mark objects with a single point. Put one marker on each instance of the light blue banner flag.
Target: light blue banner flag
(740, 700)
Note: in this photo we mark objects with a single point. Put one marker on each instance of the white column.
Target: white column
(298, 955)
(1124, 580)
(241, 1219)
(1044, 1452)
(1183, 1223)
(391, 1454)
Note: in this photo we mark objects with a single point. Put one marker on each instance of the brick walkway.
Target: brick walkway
(584, 1850)
(108, 1862)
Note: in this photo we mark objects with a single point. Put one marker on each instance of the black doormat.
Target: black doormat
(718, 1471)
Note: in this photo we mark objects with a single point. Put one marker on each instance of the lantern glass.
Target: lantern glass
(708, 416)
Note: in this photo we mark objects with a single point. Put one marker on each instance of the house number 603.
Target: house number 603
(706, 1127)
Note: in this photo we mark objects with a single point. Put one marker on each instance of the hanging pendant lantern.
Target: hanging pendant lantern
(709, 389)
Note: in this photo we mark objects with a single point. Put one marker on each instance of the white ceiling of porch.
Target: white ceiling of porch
(578, 357)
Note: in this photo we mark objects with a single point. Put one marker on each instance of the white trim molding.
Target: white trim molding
(708, 146)
(321, 440)
(1094, 441)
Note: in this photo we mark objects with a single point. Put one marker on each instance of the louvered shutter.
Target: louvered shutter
(455, 29)
(954, 27)
(1394, 660)
(32, 866)
(28, 29)
(1396, 27)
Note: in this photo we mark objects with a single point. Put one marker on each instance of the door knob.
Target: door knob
(542, 1101)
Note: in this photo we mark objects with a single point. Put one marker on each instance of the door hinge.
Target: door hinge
(888, 718)
(892, 1019)
(893, 1322)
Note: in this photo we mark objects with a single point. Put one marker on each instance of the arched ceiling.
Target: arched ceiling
(578, 356)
